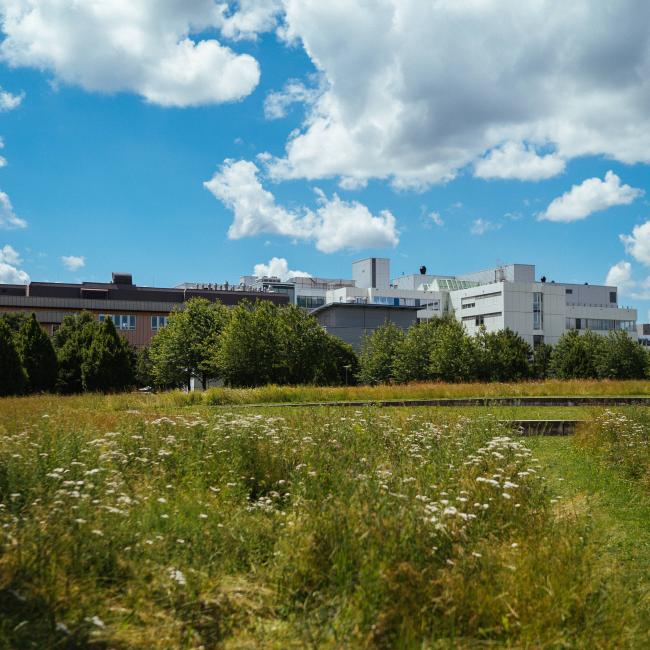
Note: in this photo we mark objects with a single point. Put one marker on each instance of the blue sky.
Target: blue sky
(108, 147)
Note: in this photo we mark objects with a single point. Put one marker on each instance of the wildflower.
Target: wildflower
(177, 576)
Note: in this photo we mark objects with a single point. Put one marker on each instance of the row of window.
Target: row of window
(310, 302)
(406, 302)
(600, 324)
(127, 321)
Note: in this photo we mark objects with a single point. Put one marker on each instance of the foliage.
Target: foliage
(250, 349)
(337, 365)
(622, 357)
(37, 356)
(454, 355)
(411, 362)
(108, 363)
(12, 376)
(503, 356)
(378, 352)
(14, 319)
(72, 341)
(542, 361)
(188, 344)
(143, 368)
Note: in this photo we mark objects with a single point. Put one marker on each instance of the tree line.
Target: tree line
(254, 344)
(83, 355)
(441, 350)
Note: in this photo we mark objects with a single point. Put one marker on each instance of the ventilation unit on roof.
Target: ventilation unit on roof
(122, 278)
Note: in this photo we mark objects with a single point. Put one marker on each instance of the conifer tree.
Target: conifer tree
(37, 356)
(12, 373)
(108, 366)
(72, 342)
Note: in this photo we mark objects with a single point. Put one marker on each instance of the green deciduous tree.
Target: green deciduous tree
(251, 346)
(411, 361)
(108, 364)
(454, 355)
(37, 355)
(338, 363)
(12, 374)
(502, 356)
(378, 352)
(577, 356)
(542, 360)
(186, 347)
(621, 357)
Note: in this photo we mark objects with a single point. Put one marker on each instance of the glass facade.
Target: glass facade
(310, 302)
(600, 324)
(538, 310)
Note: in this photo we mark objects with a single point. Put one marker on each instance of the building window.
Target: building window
(310, 302)
(468, 305)
(569, 291)
(538, 314)
(612, 296)
(479, 320)
(158, 322)
(538, 339)
(121, 321)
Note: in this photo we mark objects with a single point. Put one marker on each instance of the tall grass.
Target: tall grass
(332, 528)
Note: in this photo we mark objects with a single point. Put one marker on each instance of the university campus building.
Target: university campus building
(138, 312)
(507, 296)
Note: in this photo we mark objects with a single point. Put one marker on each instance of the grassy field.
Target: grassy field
(138, 521)
(548, 388)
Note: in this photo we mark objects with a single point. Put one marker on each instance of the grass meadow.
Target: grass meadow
(139, 521)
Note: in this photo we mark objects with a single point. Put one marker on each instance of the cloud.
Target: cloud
(592, 195)
(277, 103)
(334, 225)
(516, 160)
(8, 101)
(416, 91)
(431, 219)
(481, 226)
(140, 46)
(278, 267)
(620, 276)
(248, 18)
(9, 220)
(9, 260)
(73, 262)
(638, 243)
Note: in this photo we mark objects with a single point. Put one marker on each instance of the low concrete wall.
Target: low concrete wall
(543, 427)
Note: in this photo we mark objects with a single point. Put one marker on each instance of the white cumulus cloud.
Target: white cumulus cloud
(245, 19)
(518, 161)
(9, 101)
(277, 102)
(416, 91)
(620, 275)
(73, 262)
(638, 243)
(9, 261)
(334, 225)
(9, 220)
(278, 267)
(592, 195)
(149, 47)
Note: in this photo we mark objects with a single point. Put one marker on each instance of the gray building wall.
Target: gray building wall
(351, 321)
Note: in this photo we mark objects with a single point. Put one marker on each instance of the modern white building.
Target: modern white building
(508, 296)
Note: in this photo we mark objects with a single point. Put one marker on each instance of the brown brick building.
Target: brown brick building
(138, 312)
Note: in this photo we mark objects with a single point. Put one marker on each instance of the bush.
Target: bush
(454, 355)
(503, 356)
